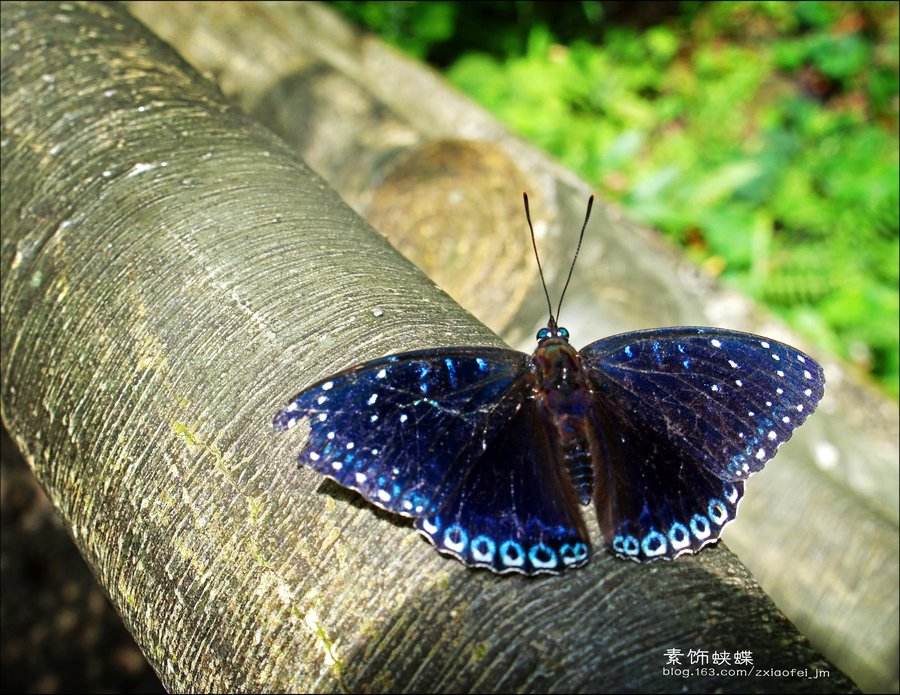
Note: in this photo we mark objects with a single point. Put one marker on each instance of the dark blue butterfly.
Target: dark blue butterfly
(492, 450)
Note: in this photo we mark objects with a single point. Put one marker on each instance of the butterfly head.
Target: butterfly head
(552, 331)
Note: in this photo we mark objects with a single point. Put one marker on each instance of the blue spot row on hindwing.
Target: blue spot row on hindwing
(504, 554)
(677, 536)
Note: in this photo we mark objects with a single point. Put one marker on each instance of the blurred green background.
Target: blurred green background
(760, 136)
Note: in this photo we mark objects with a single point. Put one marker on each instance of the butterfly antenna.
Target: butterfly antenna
(538, 258)
(587, 216)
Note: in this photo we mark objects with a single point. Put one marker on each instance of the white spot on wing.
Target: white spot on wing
(700, 526)
(512, 559)
(372, 399)
(327, 386)
(461, 538)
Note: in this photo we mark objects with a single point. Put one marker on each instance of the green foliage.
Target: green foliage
(412, 26)
(762, 136)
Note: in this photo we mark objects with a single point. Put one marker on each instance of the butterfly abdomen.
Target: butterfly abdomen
(577, 458)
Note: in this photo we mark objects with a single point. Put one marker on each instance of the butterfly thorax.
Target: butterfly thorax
(562, 390)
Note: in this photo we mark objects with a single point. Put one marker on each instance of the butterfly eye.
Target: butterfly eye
(543, 334)
(562, 332)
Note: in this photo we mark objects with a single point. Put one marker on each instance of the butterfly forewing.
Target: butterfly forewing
(391, 428)
(724, 399)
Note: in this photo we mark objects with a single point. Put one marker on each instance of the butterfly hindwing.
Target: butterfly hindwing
(724, 399)
(652, 500)
(512, 511)
(391, 428)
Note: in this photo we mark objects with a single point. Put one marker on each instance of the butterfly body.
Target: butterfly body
(564, 395)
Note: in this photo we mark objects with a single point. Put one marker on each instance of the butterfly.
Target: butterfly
(492, 451)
